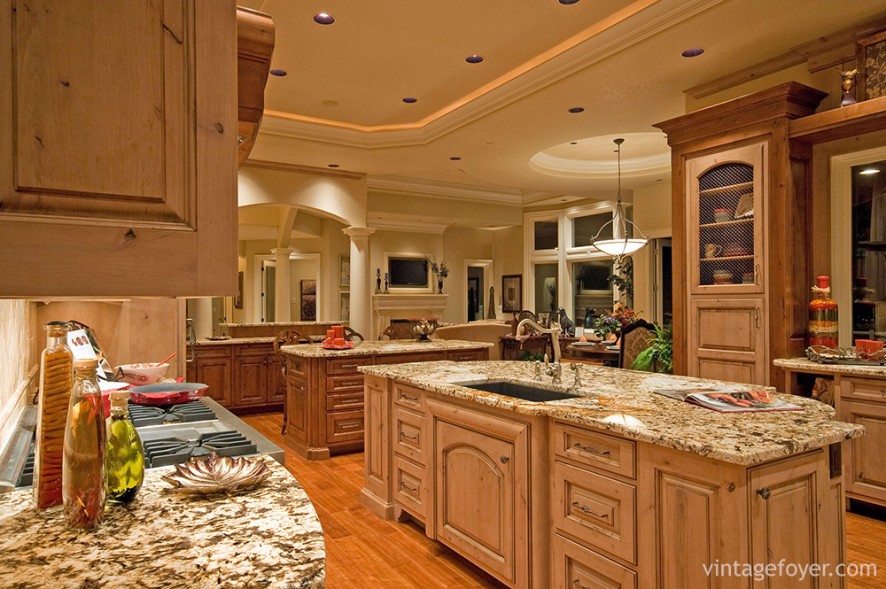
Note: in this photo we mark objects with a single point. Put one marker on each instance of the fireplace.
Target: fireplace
(388, 307)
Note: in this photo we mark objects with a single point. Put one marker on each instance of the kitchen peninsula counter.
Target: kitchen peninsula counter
(615, 486)
(323, 410)
(267, 537)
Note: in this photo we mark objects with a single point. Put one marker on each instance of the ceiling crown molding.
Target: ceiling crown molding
(538, 77)
(450, 190)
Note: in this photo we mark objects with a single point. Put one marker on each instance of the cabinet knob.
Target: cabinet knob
(764, 492)
(504, 459)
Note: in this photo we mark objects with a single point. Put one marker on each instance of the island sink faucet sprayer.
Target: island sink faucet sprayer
(554, 332)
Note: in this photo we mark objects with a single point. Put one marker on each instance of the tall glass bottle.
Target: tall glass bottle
(56, 379)
(125, 459)
(83, 468)
(823, 316)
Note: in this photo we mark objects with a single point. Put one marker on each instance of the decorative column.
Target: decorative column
(282, 286)
(361, 319)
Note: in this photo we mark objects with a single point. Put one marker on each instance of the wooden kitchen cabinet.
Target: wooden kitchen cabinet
(121, 148)
(213, 367)
(866, 464)
(726, 339)
(481, 468)
(740, 204)
(244, 377)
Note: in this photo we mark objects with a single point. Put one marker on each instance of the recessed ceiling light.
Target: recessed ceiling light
(568, 2)
(573, 143)
(693, 52)
(576, 109)
(869, 171)
(474, 58)
(329, 102)
(566, 199)
(278, 72)
(323, 19)
(410, 100)
(455, 158)
(333, 165)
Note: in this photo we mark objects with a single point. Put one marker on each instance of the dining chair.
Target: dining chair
(401, 330)
(287, 337)
(351, 334)
(635, 338)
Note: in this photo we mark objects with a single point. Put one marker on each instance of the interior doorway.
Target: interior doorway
(303, 291)
(478, 278)
(662, 281)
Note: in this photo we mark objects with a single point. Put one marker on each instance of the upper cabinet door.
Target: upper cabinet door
(118, 164)
(726, 215)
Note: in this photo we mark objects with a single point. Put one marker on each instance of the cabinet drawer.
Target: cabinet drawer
(347, 401)
(214, 351)
(594, 449)
(344, 384)
(409, 434)
(409, 486)
(409, 397)
(595, 509)
(467, 355)
(260, 350)
(577, 567)
(404, 358)
(296, 365)
(863, 389)
(346, 426)
(347, 365)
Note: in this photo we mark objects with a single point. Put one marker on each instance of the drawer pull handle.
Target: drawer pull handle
(351, 383)
(764, 492)
(588, 510)
(408, 398)
(591, 450)
(413, 439)
(405, 487)
(351, 426)
(577, 583)
(350, 401)
(350, 365)
(465, 357)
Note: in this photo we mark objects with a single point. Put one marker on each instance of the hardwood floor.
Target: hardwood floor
(363, 550)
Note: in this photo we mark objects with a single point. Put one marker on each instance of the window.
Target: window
(546, 235)
(592, 292)
(546, 296)
(586, 227)
(868, 316)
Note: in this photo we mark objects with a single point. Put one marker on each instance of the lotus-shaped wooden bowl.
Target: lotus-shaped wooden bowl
(206, 475)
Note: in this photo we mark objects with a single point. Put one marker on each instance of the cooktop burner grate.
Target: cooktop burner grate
(185, 413)
(172, 450)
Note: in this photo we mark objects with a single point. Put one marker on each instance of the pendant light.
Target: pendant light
(622, 243)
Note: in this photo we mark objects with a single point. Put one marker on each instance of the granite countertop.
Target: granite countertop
(801, 364)
(267, 537)
(622, 401)
(282, 323)
(231, 341)
(380, 348)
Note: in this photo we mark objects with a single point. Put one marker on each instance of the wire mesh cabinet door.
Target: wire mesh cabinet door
(727, 209)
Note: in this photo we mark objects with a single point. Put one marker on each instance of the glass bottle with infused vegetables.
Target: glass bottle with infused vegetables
(83, 464)
(56, 379)
(125, 459)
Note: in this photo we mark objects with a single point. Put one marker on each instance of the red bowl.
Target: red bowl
(167, 393)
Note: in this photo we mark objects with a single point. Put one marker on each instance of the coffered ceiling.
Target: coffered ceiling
(507, 118)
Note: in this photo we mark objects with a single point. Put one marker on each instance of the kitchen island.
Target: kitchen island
(323, 409)
(612, 485)
(267, 537)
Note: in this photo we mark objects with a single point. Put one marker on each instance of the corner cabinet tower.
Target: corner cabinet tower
(118, 159)
(740, 234)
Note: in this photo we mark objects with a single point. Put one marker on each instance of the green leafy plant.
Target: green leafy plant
(659, 356)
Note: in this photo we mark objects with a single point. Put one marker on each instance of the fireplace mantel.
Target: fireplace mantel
(386, 307)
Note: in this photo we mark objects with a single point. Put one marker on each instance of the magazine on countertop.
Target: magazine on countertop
(730, 400)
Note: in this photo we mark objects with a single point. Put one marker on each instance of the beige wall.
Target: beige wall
(508, 259)
(417, 209)
(652, 214)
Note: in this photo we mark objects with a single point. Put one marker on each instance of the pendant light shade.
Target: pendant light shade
(623, 242)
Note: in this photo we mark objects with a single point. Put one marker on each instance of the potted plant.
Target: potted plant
(610, 324)
(659, 356)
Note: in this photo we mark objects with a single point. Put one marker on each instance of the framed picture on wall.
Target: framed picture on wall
(238, 300)
(512, 293)
(308, 299)
(345, 306)
(344, 271)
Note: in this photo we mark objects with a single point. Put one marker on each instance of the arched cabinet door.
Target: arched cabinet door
(119, 159)
(481, 467)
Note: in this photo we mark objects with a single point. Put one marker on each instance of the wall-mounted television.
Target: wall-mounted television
(408, 272)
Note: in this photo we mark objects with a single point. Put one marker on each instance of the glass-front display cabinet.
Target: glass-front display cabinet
(726, 221)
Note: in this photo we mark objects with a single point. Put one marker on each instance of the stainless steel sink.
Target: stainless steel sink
(519, 391)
